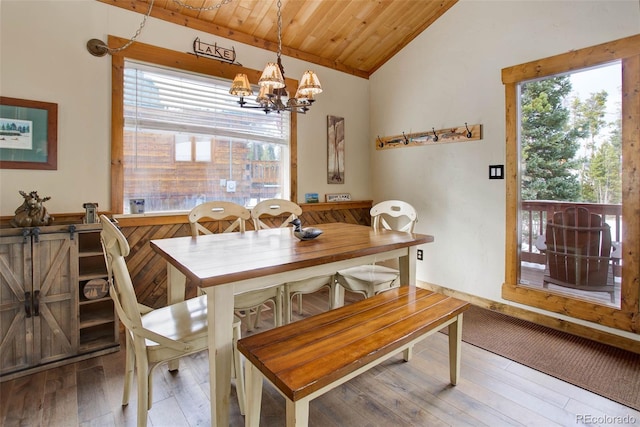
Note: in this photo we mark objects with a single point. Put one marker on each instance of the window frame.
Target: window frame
(182, 61)
(627, 316)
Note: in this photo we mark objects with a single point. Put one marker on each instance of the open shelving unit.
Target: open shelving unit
(98, 325)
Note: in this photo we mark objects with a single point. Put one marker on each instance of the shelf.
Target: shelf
(98, 335)
(99, 313)
(90, 323)
(85, 301)
(92, 267)
(89, 242)
(92, 275)
(90, 254)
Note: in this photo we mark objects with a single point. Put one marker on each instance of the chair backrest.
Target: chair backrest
(273, 208)
(115, 248)
(578, 247)
(404, 216)
(218, 211)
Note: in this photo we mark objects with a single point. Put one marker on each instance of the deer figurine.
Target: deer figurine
(32, 212)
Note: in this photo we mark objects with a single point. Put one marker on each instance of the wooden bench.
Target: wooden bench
(308, 358)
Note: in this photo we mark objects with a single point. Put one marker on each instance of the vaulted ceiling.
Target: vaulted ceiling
(352, 36)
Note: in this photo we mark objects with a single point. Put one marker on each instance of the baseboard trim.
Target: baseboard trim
(540, 319)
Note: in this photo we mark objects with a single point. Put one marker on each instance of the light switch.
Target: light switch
(496, 171)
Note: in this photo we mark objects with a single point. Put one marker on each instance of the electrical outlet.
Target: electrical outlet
(419, 254)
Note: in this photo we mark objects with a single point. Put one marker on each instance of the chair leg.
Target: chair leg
(300, 303)
(238, 371)
(130, 359)
(287, 308)
(252, 324)
(143, 380)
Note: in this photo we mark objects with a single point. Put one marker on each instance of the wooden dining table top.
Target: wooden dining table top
(217, 259)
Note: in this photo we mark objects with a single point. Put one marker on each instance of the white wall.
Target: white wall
(43, 57)
(449, 75)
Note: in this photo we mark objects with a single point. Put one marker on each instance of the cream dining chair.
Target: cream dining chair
(247, 303)
(372, 279)
(276, 209)
(154, 336)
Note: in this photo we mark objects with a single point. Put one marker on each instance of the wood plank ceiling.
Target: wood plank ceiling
(352, 36)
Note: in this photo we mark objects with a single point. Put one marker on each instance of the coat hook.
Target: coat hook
(406, 140)
(435, 135)
(380, 143)
(469, 134)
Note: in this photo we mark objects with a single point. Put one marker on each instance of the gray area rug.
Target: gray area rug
(602, 369)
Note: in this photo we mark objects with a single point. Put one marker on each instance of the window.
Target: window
(187, 141)
(179, 138)
(566, 151)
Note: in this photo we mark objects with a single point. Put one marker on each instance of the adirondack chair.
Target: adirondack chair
(578, 251)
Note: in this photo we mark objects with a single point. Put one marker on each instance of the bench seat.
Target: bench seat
(307, 358)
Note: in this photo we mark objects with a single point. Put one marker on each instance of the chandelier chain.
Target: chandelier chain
(135, 36)
(144, 21)
(279, 28)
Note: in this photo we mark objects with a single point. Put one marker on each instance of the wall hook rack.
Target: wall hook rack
(464, 133)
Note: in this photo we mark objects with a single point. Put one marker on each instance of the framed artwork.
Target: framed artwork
(335, 150)
(28, 134)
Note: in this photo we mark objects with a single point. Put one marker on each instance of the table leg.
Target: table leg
(220, 322)
(176, 283)
(297, 413)
(407, 267)
(455, 346)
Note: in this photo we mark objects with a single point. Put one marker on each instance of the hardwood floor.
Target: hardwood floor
(492, 391)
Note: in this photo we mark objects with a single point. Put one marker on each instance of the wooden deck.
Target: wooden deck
(531, 275)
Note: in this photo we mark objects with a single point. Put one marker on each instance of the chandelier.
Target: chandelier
(272, 96)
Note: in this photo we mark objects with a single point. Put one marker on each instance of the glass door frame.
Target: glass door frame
(627, 317)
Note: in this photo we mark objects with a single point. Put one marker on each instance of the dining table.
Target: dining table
(226, 264)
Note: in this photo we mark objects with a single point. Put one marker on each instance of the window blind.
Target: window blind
(167, 100)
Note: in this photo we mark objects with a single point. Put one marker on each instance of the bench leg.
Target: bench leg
(298, 413)
(253, 385)
(408, 353)
(455, 345)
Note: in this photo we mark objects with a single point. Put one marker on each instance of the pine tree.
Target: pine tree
(548, 142)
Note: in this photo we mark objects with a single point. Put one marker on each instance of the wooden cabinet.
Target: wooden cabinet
(44, 317)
